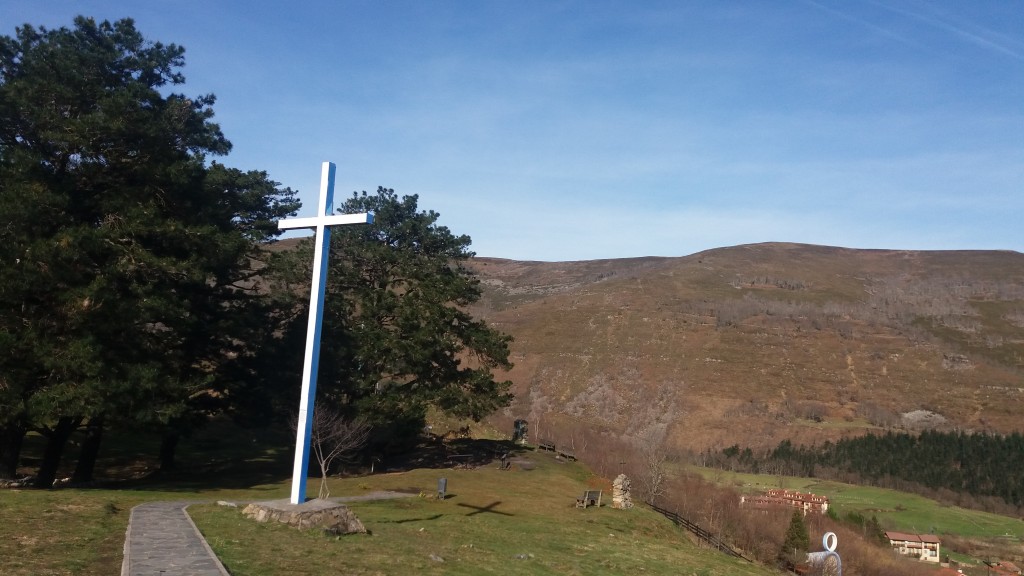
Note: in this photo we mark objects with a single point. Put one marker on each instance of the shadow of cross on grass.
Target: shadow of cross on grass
(489, 508)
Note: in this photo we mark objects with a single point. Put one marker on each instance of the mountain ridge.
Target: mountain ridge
(762, 342)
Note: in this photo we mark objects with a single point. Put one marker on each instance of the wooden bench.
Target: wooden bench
(546, 445)
(567, 454)
(589, 498)
(460, 460)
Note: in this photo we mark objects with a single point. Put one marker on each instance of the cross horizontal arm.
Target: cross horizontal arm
(332, 220)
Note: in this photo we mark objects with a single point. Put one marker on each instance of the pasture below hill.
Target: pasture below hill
(968, 535)
(520, 521)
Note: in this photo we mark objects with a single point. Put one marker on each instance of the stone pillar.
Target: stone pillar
(620, 493)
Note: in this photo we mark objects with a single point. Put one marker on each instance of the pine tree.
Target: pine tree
(124, 256)
(401, 338)
(796, 543)
(874, 531)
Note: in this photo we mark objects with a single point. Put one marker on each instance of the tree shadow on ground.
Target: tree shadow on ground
(227, 465)
(243, 475)
(434, 452)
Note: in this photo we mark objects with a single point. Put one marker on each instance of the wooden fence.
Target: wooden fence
(701, 533)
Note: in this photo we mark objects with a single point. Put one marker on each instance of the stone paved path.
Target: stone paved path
(163, 540)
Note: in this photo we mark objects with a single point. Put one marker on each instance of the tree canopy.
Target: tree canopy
(136, 290)
(127, 257)
(395, 314)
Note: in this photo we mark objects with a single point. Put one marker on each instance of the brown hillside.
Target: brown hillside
(757, 343)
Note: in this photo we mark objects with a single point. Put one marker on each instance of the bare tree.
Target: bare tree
(334, 437)
(579, 447)
(653, 463)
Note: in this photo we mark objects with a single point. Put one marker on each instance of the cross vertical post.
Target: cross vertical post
(321, 223)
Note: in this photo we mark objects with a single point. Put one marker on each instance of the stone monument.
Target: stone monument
(621, 498)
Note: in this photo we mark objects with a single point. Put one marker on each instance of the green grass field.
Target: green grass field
(512, 522)
(74, 531)
(895, 510)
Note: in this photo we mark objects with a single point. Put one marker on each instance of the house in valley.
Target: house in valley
(782, 498)
(924, 547)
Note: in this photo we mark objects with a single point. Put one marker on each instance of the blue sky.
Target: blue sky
(563, 130)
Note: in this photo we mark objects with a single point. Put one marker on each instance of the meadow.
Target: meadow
(519, 521)
(492, 521)
(895, 510)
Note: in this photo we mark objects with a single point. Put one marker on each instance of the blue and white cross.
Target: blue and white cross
(322, 223)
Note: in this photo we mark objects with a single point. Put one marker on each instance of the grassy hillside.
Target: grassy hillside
(968, 536)
(507, 522)
(521, 521)
(895, 510)
(755, 344)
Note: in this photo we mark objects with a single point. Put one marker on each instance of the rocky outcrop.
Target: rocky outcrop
(331, 517)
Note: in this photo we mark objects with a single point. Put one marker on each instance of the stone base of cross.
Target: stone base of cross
(321, 223)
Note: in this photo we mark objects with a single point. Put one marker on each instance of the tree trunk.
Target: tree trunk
(11, 438)
(168, 447)
(90, 450)
(55, 442)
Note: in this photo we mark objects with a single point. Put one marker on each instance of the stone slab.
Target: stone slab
(330, 516)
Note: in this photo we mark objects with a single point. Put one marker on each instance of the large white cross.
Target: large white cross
(311, 361)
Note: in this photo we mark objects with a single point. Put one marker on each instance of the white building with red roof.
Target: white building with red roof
(924, 547)
(779, 497)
